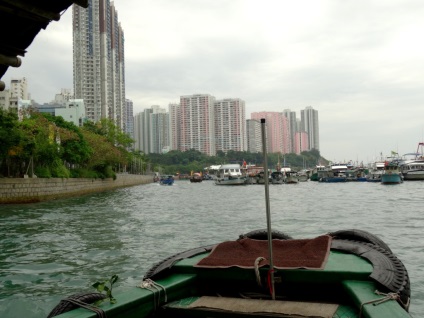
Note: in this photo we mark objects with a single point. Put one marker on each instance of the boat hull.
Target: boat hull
(391, 178)
(333, 179)
(168, 183)
(231, 181)
(414, 175)
(302, 178)
(374, 180)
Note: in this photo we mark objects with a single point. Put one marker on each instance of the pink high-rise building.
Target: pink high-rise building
(277, 131)
(301, 142)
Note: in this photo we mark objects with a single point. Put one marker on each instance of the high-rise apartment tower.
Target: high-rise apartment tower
(197, 123)
(309, 123)
(277, 131)
(99, 67)
(230, 125)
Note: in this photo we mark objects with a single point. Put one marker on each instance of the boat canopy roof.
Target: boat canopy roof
(339, 167)
(412, 154)
(230, 166)
(213, 167)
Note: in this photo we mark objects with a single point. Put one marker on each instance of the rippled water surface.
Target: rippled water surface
(53, 249)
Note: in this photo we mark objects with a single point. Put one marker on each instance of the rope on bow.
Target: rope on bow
(378, 301)
(154, 287)
(258, 276)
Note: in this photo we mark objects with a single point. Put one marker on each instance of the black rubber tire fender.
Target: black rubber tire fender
(388, 270)
(361, 236)
(164, 265)
(65, 306)
(262, 234)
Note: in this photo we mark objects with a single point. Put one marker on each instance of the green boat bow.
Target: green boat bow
(359, 278)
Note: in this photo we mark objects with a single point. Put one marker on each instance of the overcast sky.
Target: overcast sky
(359, 63)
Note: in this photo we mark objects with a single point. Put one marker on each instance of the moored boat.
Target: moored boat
(413, 168)
(290, 177)
(303, 175)
(375, 171)
(277, 177)
(347, 273)
(335, 173)
(318, 172)
(333, 179)
(166, 180)
(196, 177)
(356, 174)
(391, 174)
(230, 174)
(260, 178)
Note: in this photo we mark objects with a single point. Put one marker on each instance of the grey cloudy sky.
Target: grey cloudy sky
(359, 63)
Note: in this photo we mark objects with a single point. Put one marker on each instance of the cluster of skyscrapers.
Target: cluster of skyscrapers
(203, 123)
(198, 121)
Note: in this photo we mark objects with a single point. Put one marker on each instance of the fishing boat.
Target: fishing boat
(347, 273)
(303, 175)
(277, 177)
(376, 171)
(318, 172)
(264, 273)
(356, 174)
(412, 165)
(196, 177)
(260, 177)
(392, 173)
(335, 173)
(166, 180)
(230, 174)
(290, 177)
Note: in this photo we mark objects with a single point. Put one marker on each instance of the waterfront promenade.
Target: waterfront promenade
(29, 190)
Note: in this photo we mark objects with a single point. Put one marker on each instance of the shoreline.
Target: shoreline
(33, 190)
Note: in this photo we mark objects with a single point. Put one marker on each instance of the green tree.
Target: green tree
(106, 127)
(10, 135)
(75, 149)
(10, 140)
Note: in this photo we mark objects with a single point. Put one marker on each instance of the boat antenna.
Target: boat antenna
(268, 213)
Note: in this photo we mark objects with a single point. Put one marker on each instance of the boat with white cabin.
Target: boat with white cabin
(230, 174)
(412, 164)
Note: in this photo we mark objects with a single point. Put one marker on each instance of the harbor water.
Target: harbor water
(51, 250)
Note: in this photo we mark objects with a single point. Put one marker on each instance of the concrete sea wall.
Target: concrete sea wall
(28, 190)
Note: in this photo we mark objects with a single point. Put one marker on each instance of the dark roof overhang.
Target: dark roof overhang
(21, 21)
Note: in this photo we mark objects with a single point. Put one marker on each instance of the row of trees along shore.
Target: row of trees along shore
(49, 147)
(177, 162)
